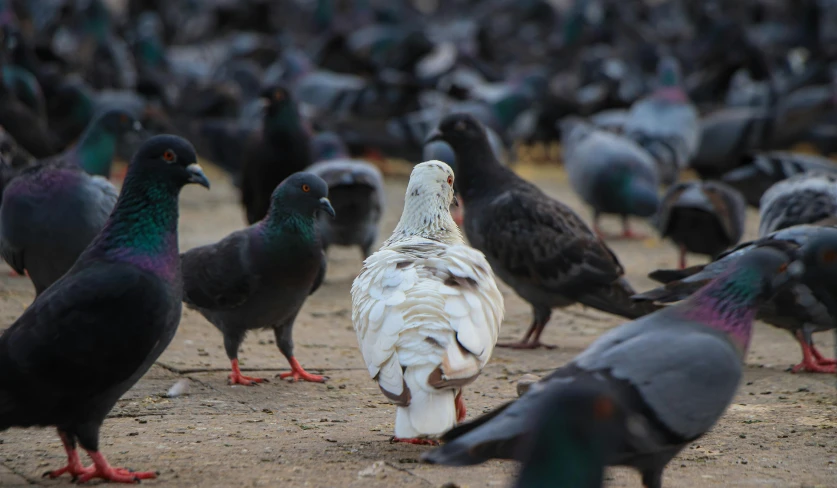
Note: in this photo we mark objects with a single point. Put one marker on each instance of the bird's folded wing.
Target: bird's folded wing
(220, 275)
(541, 241)
(405, 295)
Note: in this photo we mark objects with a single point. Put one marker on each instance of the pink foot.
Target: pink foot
(812, 360)
(103, 470)
(418, 442)
(297, 373)
(814, 367)
(74, 467)
(236, 378)
(461, 411)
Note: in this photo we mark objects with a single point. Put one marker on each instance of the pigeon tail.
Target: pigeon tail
(458, 366)
(430, 412)
(617, 299)
(668, 275)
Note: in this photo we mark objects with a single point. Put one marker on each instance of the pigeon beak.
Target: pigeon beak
(435, 135)
(325, 205)
(196, 175)
(455, 201)
(137, 126)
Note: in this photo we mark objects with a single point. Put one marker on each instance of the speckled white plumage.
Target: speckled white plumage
(426, 308)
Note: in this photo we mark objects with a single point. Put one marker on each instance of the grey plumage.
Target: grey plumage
(702, 217)
(802, 199)
(763, 170)
(674, 372)
(611, 173)
(356, 191)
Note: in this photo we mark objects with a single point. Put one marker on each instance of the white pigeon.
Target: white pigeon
(426, 310)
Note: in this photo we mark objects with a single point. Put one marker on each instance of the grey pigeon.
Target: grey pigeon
(536, 244)
(702, 217)
(52, 211)
(819, 257)
(609, 172)
(674, 372)
(356, 191)
(260, 276)
(666, 123)
(803, 199)
(796, 309)
(762, 170)
(90, 337)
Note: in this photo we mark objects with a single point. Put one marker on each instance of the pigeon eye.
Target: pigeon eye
(783, 267)
(306, 188)
(603, 408)
(450, 180)
(169, 156)
(278, 95)
(829, 256)
(460, 126)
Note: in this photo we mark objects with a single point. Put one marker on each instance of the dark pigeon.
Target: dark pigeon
(702, 217)
(260, 276)
(356, 190)
(536, 244)
(51, 212)
(27, 128)
(571, 439)
(674, 372)
(90, 337)
(280, 149)
(796, 309)
(803, 199)
(762, 170)
(13, 160)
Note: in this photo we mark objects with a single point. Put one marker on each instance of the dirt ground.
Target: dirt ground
(780, 431)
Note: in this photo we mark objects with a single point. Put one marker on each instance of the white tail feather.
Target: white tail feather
(431, 412)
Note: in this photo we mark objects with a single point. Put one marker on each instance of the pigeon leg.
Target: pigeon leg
(284, 340)
(297, 373)
(461, 411)
(102, 469)
(822, 360)
(236, 378)
(74, 466)
(15, 274)
(682, 256)
(810, 362)
(627, 233)
(418, 442)
(541, 317)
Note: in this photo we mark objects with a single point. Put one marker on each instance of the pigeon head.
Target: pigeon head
(574, 434)
(327, 146)
(279, 107)
(301, 194)
(668, 72)
(166, 161)
(819, 260)
(729, 303)
(427, 204)
(97, 145)
(464, 133)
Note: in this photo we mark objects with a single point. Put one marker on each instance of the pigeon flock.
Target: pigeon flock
(678, 113)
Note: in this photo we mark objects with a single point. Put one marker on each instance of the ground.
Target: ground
(781, 430)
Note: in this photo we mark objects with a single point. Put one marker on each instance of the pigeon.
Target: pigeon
(356, 191)
(52, 211)
(96, 147)
(763, 170)
(818, 258)
(571, 438)
(609, 172)
(24, 125)
(666, 123)
(536, 244)
(802, 199)
(674, 372)
(13, 160)
(796, 309)
(260, 276)
(89, 338)
(426, 310)
(702, 217)
(280, 149)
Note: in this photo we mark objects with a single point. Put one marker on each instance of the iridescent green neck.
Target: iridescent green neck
(285, 119)
(95, 150)
(288, 227)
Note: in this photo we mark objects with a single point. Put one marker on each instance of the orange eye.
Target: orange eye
(169, 156)
(603, 408)
(306, 188)
(450, 180)
(829, 256)
(278, 95)
(783, 267)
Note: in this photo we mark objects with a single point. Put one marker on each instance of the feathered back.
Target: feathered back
(712, 197)
(803, 199)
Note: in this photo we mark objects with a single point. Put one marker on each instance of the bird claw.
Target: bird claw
(526, 345)
(414, 441)
(239, 379)
(815, 367)
(304, 376)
